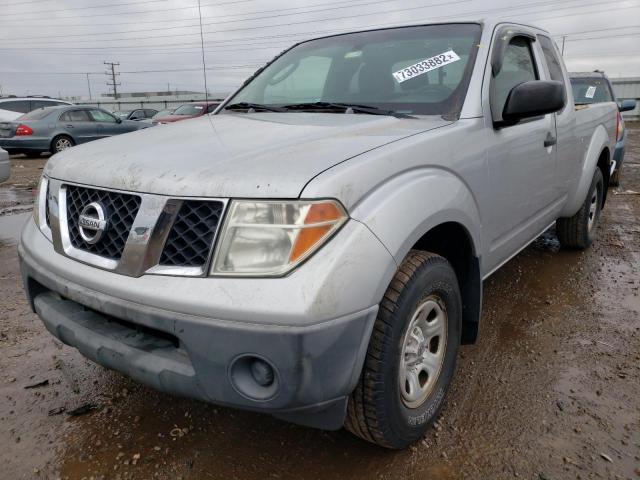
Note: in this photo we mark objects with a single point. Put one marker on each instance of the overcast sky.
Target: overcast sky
(57, 41)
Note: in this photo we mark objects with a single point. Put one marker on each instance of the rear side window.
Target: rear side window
(587, 90)
(75, 116)
(18, 106)
(551, 57)
(518, 67)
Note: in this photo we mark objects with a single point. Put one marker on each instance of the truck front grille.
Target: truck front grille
(121, 210)
(191, 237)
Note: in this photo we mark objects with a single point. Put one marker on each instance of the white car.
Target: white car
(5, 165)
(14, 107)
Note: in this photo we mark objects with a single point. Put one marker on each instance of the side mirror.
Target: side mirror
(118, 120)
(627, 105)
(533, 99)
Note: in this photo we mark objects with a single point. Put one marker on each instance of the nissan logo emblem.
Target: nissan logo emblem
(92, 222)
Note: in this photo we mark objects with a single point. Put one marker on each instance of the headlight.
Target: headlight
(269, 238)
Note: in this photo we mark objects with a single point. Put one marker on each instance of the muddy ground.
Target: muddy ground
(550, 391)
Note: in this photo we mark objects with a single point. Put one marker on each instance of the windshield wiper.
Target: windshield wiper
(254, 106)
(345, 107)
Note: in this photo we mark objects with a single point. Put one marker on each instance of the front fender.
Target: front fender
(599, 142)
(401, 210)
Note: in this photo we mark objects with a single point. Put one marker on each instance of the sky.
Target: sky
(47, 47)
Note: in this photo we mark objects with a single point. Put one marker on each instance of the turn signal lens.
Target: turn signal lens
(268, 238)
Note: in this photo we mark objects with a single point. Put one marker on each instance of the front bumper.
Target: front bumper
(316, 346)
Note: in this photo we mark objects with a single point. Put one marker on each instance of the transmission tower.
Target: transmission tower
(111, 72)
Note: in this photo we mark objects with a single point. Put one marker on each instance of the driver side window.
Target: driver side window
(100, 116)
(518, 66)
(299, 83)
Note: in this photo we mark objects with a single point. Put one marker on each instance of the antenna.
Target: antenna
(113, 75)
(204, 63)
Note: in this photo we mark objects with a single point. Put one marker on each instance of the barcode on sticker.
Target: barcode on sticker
(591, 91)
(425, 66)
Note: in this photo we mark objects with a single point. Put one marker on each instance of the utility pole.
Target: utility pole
(113, 76)
(89, 85)
(564, 37)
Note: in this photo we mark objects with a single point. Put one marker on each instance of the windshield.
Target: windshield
(420, 70)
(163, 113)
(38, 114)
(591, 90)
(188, 110)
(122, 114)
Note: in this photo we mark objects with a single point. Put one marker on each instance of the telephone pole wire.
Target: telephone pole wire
(113, 76)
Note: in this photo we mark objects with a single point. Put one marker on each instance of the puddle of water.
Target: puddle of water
(11, 226)
(14, 195)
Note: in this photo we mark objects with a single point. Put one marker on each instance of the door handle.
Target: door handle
(69, 126)
(550, 141)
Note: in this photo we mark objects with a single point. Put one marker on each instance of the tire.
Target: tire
(384, 408)
(579, 231)
(614, 180)
(60, 143)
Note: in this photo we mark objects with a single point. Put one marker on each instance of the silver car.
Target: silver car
(55, 129)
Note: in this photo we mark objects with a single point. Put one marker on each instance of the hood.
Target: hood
(258, 155)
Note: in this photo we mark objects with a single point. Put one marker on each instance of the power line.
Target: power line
(85, 25)
(83, 8)
(531, 5)
(114, 14)
(22, 39)
(350, 3)
(172, 70)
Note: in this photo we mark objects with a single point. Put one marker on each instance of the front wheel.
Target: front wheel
(579, 231)
(411, 355)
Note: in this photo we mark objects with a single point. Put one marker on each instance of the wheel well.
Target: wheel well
(604, 164)
(452, 241)
(61, 135)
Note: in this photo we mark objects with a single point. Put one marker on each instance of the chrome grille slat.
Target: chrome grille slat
(121, 208)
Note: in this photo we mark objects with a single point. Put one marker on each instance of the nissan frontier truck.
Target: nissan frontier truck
(315, 249)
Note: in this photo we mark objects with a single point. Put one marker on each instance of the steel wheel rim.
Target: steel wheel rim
(593, 209)
(62, 144)
(423, 350)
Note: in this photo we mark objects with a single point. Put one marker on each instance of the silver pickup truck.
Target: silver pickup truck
(316, 248)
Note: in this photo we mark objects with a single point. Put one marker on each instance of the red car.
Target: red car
(188, 110)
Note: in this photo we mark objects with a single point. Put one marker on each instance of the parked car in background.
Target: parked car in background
(139, 114)
(5, 165)
(316, 249)
(54, 129)
(162, 113)
(595, 87)
(14, 107)
(188, 110)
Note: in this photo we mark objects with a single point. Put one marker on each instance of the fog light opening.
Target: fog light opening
(254, 377)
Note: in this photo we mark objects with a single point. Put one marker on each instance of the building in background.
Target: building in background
(156, 100)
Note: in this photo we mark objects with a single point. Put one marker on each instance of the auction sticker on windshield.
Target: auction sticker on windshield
(591, 91)
(425, 66)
